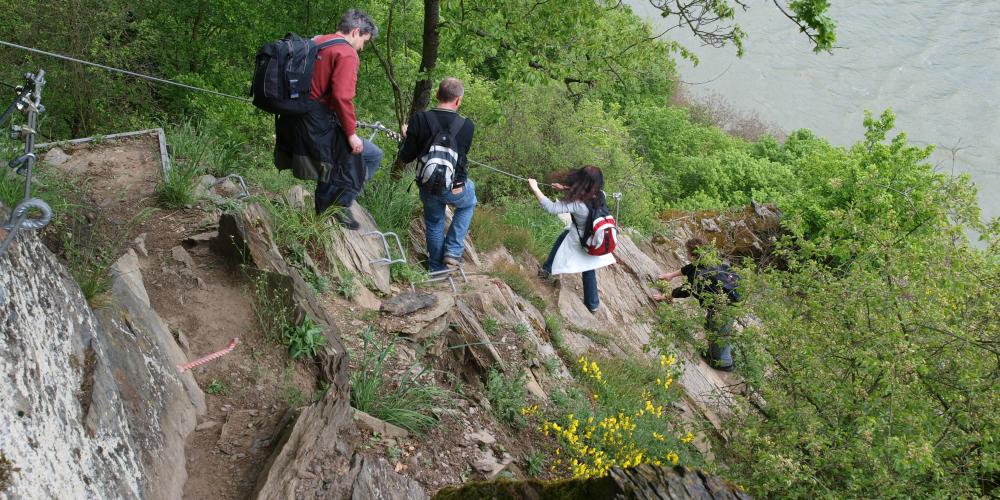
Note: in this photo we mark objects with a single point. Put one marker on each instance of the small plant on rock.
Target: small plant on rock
(304, 339)
(521, 330)
(269, 308)
(407, 273)
(347, 285)
(216, 387)
(491, 326)
(534, 462)
(622, 420)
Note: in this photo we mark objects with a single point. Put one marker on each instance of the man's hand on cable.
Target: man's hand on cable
(356, 145)
(402, 129)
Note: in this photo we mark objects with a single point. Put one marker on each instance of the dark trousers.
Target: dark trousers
(591, 299)
(344, 189)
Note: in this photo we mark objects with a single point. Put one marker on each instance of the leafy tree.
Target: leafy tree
(876, 361)
(712, 21)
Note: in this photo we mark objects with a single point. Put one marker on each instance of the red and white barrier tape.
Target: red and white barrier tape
(211, 357)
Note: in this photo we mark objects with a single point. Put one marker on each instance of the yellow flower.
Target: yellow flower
(688, 438)
(666, 361)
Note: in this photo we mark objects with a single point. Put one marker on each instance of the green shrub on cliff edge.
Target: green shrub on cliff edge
(876, 359)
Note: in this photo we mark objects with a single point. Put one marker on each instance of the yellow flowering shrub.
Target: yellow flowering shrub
(623, 423)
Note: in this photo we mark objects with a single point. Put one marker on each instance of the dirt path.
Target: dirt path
(206, 302)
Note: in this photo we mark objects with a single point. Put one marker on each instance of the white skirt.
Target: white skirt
(573, 258)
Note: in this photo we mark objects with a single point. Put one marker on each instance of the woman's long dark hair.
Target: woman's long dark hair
(585, 185)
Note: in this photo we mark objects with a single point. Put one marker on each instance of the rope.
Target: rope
(130, 73)
(481, 164)
(211, 357)
(375, 126)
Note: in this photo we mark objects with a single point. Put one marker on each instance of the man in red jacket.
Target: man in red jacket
(335, 78)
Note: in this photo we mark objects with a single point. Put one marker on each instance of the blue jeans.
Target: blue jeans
(454, 244)
(327, 192)
(591, 299)
(720, 330)
(371, 156)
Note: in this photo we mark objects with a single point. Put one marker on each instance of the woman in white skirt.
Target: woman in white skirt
(582, 194)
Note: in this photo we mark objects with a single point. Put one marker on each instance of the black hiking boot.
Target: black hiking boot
(345, 219)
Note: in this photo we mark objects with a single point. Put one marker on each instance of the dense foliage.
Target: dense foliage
(878, 351)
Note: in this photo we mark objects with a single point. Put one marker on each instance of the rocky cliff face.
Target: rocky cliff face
(91, 403)
(93, 406)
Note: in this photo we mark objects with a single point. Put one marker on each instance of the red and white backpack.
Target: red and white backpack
(601, 237)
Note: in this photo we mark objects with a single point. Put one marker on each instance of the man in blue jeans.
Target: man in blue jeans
(443, 250)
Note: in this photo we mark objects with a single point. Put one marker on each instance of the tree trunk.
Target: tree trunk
(428, 60)
(428, 56)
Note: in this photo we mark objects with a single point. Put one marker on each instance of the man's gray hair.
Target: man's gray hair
(357, 19)
(450, 89)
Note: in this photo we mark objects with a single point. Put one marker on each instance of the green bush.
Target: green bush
(563, 135)
(873, 358)
(507, 396)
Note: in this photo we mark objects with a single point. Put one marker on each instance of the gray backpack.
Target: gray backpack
(436, 168)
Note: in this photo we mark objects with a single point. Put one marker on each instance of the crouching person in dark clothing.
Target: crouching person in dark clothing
(715, 287)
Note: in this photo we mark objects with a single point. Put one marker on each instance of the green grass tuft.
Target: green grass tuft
(392, 203)
(406, 403)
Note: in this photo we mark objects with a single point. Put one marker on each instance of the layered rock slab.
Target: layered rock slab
(92, 404)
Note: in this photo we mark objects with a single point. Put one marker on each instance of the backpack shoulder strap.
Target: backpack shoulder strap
(456, 125)
(433, 122)
(331, 42)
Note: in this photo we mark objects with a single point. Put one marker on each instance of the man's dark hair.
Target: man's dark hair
(585, 185)
(694, 246)
(357, 19)
(450, 89)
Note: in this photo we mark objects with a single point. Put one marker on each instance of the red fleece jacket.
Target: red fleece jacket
(335, 78)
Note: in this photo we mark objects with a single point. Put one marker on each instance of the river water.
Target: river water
(935, 64)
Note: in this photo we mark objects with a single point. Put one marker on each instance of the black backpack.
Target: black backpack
(283, 75)
(436, 168)
(719, 279)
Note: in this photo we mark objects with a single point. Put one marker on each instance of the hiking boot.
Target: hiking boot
(714, 363)
(451, 260)
(548, 278)
(345, 219)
